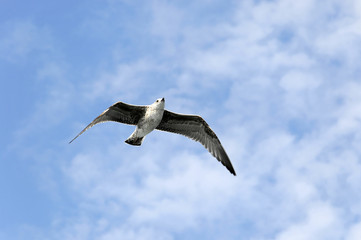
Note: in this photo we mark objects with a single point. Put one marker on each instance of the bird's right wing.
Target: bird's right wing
(196, 128)
(118, 112)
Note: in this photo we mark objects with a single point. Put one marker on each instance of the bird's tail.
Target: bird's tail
(135, 141)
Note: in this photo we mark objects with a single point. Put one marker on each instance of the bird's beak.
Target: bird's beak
(163, 99)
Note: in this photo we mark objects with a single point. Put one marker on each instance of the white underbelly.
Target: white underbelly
(150, 121)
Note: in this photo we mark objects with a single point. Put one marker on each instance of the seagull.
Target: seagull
(154, 116)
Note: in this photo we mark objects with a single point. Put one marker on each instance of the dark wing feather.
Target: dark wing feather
(197, 129)
(118, 112)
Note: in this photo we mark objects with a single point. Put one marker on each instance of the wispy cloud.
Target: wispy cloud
(21, 38)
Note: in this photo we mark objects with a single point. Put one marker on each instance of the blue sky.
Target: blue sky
(278, 81)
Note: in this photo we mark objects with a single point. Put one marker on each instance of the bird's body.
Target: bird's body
(154, 116)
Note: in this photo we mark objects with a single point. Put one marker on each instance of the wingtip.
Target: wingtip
(74, 139)
(229, 166)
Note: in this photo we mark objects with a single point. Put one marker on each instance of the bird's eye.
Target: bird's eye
(157, 101)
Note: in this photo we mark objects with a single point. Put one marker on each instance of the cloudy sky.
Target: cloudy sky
(277, 80)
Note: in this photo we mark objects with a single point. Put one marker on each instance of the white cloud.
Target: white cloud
(355, 232)
(127, 81)
(142, 234)
(20, 39)
(299, 81)
(321, 223)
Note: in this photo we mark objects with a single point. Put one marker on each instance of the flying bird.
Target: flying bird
(154, 116)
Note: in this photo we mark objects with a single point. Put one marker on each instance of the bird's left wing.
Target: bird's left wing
(118, 112)
(196, 128)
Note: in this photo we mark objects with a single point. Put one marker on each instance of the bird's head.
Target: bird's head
(159, 103)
